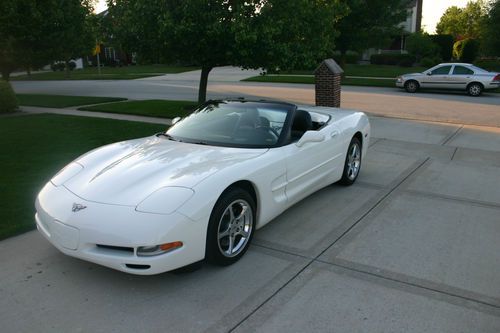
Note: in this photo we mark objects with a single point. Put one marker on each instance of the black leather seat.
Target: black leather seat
(302, 123)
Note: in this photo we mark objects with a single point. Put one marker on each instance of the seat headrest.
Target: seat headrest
(302, 121)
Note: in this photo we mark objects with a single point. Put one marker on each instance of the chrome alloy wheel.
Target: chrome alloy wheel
(235, 228)
(353, 161)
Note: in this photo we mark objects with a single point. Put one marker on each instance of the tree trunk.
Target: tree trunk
(202, 91)
(67, 68)
(343, 60)
(5, 74)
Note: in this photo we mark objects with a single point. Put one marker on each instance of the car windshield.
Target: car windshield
(234, 124)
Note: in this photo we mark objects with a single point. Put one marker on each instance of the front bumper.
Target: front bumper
(109, 235)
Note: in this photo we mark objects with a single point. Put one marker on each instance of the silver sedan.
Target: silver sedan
(456, 76)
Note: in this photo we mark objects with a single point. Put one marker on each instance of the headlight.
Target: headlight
(399, 79)
(67, 173)
(166, 200)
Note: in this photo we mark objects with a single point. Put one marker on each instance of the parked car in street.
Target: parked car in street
(455, 76)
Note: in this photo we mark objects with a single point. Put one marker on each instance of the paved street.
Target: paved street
(225, 82)
(411, 247)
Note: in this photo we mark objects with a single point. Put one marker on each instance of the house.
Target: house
(412, 24)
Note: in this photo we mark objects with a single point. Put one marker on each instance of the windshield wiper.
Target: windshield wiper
(168, 136)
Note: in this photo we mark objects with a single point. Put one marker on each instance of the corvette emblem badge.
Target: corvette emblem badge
(77, 207)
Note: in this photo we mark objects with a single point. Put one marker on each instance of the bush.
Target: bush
(492, 65)
(430, 61)
(470, 50)
(57, 66)
(421, 45)
(8, 100)
(351, 57)
(445, 45)
(72, 65)
(405, 60)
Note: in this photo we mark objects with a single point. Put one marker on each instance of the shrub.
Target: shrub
(405, 60)
(351, 57)
(8, 100)
(492, 65)
(430, 61)
(470, 50)
(57, 66)
(421, 45)
(445, 45)
(72, 65)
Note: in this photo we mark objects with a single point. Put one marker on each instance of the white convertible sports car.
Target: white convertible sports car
(200, 189)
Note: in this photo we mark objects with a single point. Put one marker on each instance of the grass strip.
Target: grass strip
(35, 147)
(61, 101)
(107, 73)
(151, 108)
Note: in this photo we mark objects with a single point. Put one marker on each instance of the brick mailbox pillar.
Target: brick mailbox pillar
(327, 77)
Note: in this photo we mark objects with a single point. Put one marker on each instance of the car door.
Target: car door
(460, 77)
(437, 78)
(313, 165)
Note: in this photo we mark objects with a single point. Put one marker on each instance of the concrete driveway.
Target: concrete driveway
(413, 246)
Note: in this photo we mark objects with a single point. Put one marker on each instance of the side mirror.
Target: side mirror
(429, 73)
(176, 120)
(310, 136)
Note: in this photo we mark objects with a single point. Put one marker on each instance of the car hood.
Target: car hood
(125, 173)
(413, 74)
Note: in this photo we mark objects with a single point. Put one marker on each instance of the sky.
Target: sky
(431, 13)
(434, 9)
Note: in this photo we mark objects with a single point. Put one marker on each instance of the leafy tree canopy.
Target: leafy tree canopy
(491, 36)
(370, 23)
(33, 33)
(463, 22)
(209, 33)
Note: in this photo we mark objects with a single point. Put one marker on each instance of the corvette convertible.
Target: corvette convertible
(200, 189)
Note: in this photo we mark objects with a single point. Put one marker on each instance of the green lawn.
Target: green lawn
(367, 70)
(108, 73)
(152, 108)
(60, 101)
(310, 80)
(35, 147)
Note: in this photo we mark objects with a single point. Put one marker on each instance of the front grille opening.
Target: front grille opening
(135, 266)
(116, 248)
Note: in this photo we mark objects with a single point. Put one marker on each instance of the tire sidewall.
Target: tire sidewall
(345, 178)
(411, 82)
(469, 89)
(212, 252)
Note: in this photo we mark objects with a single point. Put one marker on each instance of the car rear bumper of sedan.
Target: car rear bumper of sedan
(110, 235)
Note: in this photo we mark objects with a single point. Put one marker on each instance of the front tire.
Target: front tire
(475, 89)
(231, 227)
(352, 163)
(411, 86)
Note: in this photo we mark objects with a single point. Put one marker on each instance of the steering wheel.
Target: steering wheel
(269, 130)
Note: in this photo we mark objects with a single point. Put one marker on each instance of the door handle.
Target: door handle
(334, 133)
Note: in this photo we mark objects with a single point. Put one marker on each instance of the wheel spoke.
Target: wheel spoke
(231, 244)
(225, 233)
(244, 209)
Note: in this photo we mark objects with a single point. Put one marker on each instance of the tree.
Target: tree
(34, 32)
(463, 22)
(72, 36)
(492, 29)
(421, 45)
(369, 23)
(210, 33)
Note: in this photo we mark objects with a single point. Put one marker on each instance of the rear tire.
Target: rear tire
(412, 86)
(475, 89)
(352, 164)
(231, 227)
